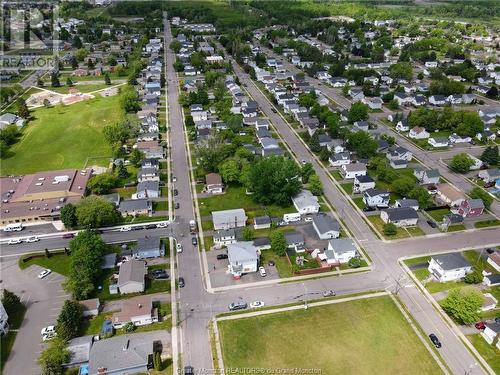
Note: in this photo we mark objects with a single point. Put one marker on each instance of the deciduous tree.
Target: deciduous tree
(463, 304)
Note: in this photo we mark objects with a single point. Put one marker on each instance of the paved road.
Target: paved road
(43, 299)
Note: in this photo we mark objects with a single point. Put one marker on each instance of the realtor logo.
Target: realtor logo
(30, 35)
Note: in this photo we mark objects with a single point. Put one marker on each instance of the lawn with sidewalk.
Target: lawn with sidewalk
(367, 336)
(64, 137)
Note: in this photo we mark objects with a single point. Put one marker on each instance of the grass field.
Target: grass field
(64, 137)
(368, 336)
(488, 352)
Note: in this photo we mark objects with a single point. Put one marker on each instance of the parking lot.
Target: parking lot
(43, 300)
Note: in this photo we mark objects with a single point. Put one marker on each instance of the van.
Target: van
(290, 218)
(13, 227)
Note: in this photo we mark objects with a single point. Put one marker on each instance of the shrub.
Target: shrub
(390, 229)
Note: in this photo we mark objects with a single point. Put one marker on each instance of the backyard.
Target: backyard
(64, 137)
(382, 338)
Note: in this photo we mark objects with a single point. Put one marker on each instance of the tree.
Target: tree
(107, 80)
(362, 143)
(22, 109)
(157, 361)
(461, 163)
(474, 277)
(401, 70)
(306, 171)
(68, 216)
(69, 82)
(230, 171)
(212, 152)
(478, 193)
(492, 92)
(87, 249)
(11, 302)
(390, 229)
(117, 133)
(274, 180)
(354, 262)
(136, 156)
(463, 304)
(129, 327)
(358, 112)
(54, 80)
(315, 185)
(490, 155)
(77, 42)
(422, 196)
(403, 185)
(129, 101)
(393, 105)
(94, 212)
(101, 183)
(81, 54)
(74, 63)
(52, 358)
(278, 243)
(69, 320)
(247, 234)
(121, 171)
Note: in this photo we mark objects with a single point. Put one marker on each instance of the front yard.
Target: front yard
(380, 341)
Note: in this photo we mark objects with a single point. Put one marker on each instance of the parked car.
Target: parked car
(181, 282)
(432, 224)
(308, 219)
(126, 229)
(240, 305)
(480, 326)
(369, 209)
(256, 304)
(162, 225)
(31, 239)
(179, 247)
(329, 293)
(262, 271)
(68, 235)
(194, 241)
(151, 226)
(177, 205)
(49, 336)
(435, 340)
(489, 184)
(159, 274)
(497, 319)
(174, 179)
(176, 192)
(48, 329)
(44, 273)
(221, 256)
(14, 241)
(188, 370)
(274, 110)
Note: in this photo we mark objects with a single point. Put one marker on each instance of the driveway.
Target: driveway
(43, 299)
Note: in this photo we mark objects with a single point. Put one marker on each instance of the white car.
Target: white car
(174, 179)
(44, 273)
(256, 304)
(179, 248)
(32, 239)
(49, 336)
(262, 271)
(308, 219)
(162, 225)
(14, 241)
(48, 329)
(125, 229)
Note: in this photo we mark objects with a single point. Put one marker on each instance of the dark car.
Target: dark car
(489, 250)
(435, 340)
(480, 326)
(194, 241)
(188, 370)
(221, 256)
(68, 235)
(432, 224)
(181, 282)
(497, 319)
(151, 226)
(177, 205)
(274, 110)
(489, 184)
(139, 227)
(176, 192)
(368, 209)
(159, 274)
(240, 305)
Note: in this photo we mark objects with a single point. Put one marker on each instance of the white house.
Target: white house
(306, 203)
(477, 163)
(418, 133)
(427, 176)
(376, 198)
(326, 227)
(402, 125)
(228, 219)
(491, 331)
(437, 100)
(131, 276)
(4, 321)
(344, 249)
(224, 237)
(438, 142)
(242, 258)
(362, 183)
(449, 267)
(337, 160)
(350, 171)
(400, 216)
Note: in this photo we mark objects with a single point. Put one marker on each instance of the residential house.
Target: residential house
(342, 158)
(90, 307)
(295, 241)
(79, 351)
(400, 216)
(398, 163)
(449, 267)
(373, 103)
(131, 277)
(356, 94)
(262, 222)
(242, 257)
(376, 198)
(344, 249)
(450, 195)
(427, 176)
(412, 203)
(148, 247)
(270, 146)
(336, 146)
(306, 203)
(399, 153)
(363, 183)
(350, 171)
(418, 133)
(4, 320)
(494, 260)
(147, 189)
(135, 207)
(438, 142)
(489, 175)
(361, 125)
(489, 302)
(492, 333)
(213, 183)
(122, 354)
(148, 174)
(402, 125)
(9, 118)
(437, 100)
(224, 237)
(470, 207)
(477, 163)
(326, 227)
(228, 219)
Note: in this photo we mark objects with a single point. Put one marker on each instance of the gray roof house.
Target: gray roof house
(229, 219)
(326, 227)
(124, 354)
(9, 118)
(148, 247)
(147, 189)
(135, 207)
(131, 276)
(295, 240)
(79, 349)
(242, 258)
(401, 216)
(261, 222)
(449, 267)
(112, 198)
(306, 203)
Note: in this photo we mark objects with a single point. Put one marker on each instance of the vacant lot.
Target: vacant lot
(368, 336)
(64, 137)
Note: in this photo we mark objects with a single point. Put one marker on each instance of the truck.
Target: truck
(192, 226)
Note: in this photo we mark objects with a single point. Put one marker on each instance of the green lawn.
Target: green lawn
(281, 263)
(486, 223)
(59, 263)
(412, 261)
(435, 286)
(82, 88)
(488, 352)
(348, 187)
(379, 224)
(437, 215)
(368, 336)
(64, 137)
(160, 205)
(236, 197)
(456, 228)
